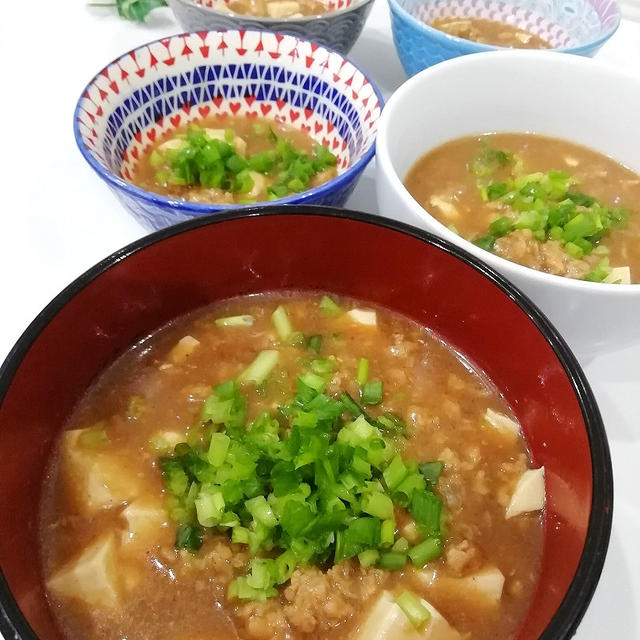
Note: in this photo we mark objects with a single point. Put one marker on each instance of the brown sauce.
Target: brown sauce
(251, 136)
(169, 595)
(442, 182)
(499, 34)
(278, 8)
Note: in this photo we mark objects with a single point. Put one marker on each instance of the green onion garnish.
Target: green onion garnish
(363, 371)
(372, 392)
(394, 560)
(282, 323)
(306, 482)
(315, 343)
(427, 550)
(411, 606)
(235, 321)
(201, 160)
(329, 307)
(261, 367)
(545, 204)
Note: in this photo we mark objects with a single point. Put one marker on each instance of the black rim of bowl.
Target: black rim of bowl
(571, 610)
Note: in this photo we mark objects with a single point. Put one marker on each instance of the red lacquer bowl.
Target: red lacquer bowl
(437, 284)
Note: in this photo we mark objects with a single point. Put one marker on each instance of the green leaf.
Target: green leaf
(138, 10)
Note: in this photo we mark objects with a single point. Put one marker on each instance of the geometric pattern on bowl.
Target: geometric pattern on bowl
(338, 29)
(142, 96)
(572, 26)
(519, 16)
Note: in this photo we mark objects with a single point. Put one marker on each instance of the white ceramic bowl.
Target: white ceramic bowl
(552, 94)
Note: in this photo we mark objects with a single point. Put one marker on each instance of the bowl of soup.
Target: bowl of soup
(426, 32)
(329, 440)
(526, 182)
(336, 24)
(208, 121)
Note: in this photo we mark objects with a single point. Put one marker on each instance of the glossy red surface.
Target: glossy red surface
(238, 256)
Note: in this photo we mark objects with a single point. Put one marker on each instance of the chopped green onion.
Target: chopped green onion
(215, 163)
(431, 471)
(329, 307)
(372, 392)
(378, 505)
(400, 544)
(315, 343)
(363, 371)
(426, 509)
(225, 406)
(392, 560)
(218, 449)
(306, 482)
(543, 204)
(368, 558)
(209, 506)
(261, 511)
(387, 533)
(351, 405)
(235, 321)
(427, 550)
(415, 611)
(188, 537)
(261, 367)
(395, 473)
(282, 323)
(391, 423)
(485, 242)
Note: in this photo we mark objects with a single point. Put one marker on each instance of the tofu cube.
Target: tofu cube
(100, 479)
(387, 621)
(282, 8)
(144, 517)
(183, 349)
(363, 316)
(529, 494)
(92, 577)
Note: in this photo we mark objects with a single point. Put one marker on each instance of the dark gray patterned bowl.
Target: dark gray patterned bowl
(337, 29)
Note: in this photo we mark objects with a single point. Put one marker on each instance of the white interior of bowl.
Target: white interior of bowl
(551, 94)
(556, 95)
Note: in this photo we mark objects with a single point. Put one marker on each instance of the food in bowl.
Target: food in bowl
(234, 160)
(167, 275)
(580, 28)
(278, 8)
(280, 466)
(500, 34)
(331, 23)
(542, 202)
(143, 97)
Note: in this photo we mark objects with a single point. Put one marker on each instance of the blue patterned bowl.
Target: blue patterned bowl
(147, 93)
(338, 28)
(571, 26)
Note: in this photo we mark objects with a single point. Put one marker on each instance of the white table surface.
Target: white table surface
(58, 219)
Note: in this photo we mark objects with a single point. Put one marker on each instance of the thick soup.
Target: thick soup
(278, 8)
(234, 160)
(545, 203)
(499, 34)
(291, 468)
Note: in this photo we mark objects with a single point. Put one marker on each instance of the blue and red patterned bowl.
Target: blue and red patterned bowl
(570, 26)
(146, 93)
